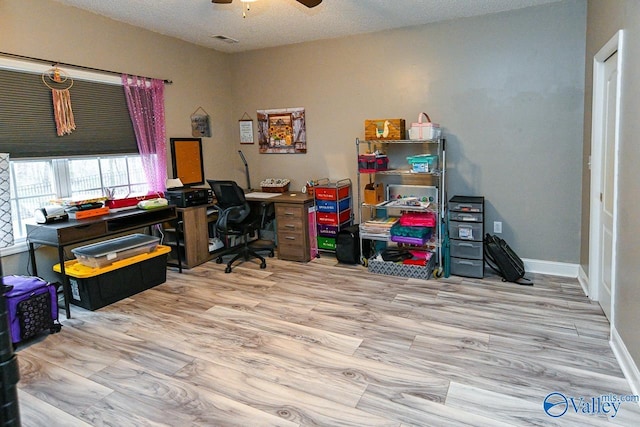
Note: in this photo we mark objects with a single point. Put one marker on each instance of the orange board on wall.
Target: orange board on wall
(186, 155)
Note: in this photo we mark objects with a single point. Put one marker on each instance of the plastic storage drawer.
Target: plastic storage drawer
(465, 216)
(328, 243)
(467, 267)
(466, 249)
(466, 203)
(466, 230)
(330, 230)
(332, 193)
(107, 252)
(333, 206)
(93, 288)
(333, 218)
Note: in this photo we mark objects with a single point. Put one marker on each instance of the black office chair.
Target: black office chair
(267, 218)
(235, 219)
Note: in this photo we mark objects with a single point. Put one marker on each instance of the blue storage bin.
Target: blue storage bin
(333, 206)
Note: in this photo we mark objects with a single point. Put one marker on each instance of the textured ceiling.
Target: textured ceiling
(272, 23)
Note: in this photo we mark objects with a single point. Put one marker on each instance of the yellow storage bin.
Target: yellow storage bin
(96, 287)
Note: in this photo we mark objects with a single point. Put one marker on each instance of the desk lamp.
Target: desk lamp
(246, 169)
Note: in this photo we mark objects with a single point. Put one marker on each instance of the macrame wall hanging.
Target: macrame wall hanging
(59, 82)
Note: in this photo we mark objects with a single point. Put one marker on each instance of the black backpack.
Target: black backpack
(504, 261)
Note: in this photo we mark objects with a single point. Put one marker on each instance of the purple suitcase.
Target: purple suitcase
(32, 307)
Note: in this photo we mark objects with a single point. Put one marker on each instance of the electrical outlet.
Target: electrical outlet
(497, 227)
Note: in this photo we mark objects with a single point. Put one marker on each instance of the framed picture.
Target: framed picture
(282, 131)
(246, 131)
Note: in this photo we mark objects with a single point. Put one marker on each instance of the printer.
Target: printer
(186, 197)
(50, 214)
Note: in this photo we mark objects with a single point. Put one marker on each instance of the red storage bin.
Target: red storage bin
(333, 218)
(370, 163)
(332, 193)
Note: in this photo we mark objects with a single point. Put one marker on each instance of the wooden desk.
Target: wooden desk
(194, 237)
(292, 224)
(73, 231)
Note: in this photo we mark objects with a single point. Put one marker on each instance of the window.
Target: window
(41, 171)
(35, 183)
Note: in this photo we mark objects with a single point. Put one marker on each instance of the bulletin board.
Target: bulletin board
(186, 157)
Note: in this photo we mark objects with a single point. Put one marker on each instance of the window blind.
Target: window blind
(27, 124)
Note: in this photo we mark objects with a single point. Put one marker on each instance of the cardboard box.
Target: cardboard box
(373, 193)
(384, 129)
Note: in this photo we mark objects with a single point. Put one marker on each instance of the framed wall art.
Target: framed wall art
(200, 123)
(246, 129)
(282, 131)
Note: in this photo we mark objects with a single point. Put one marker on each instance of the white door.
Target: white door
(607, 188)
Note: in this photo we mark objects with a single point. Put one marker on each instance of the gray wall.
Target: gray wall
(508, 89)
(605, 18)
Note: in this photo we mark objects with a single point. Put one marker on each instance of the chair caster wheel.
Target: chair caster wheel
(227, 270)
(263, 265)
(270, 254)
(219, 260)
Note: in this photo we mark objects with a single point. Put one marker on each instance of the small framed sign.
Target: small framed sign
(246, 129)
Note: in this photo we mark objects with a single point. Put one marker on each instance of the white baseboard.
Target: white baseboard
(550, 267)
(583, 279)
(629, 368)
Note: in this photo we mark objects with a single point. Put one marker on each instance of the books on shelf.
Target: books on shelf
(378, 226)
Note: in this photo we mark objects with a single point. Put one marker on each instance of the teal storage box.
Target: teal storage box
(423, 162)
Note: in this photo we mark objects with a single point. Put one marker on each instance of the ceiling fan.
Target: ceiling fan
(308, 3)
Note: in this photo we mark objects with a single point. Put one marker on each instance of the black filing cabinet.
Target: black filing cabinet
(466, 234)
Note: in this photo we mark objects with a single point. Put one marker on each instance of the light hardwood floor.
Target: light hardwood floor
(325, 344)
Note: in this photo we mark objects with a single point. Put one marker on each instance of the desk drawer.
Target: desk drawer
(293, 247)
(82, 232)
(290, 227)
(286, 213)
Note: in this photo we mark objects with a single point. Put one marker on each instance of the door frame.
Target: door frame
(595, 163)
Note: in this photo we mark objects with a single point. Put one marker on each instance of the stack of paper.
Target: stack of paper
(378, 227)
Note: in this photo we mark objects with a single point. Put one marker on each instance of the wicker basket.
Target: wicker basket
(282, 189)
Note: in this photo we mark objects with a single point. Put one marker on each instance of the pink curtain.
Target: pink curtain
(145, 99)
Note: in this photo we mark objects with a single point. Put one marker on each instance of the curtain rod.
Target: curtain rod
(81, 67)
